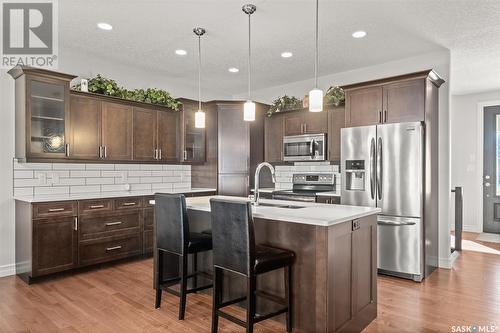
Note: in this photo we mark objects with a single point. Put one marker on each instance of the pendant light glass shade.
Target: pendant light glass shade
(316, 100)
(199, 116)
(249, 111)
(199, 119)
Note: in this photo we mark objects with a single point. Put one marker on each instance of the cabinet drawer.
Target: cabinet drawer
(56, 209)
(88, 206)
(104, 226)
(127, 203)
(111, 248)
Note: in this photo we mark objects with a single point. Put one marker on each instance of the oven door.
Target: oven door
(304, 148)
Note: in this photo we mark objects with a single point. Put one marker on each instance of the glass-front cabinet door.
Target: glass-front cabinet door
(194, 139)
(48, 112)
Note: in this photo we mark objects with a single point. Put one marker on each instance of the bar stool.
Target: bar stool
(235, 251)
(173, 236)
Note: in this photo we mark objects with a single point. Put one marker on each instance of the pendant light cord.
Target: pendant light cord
(316, 49)
(249, 55)
(199, 72)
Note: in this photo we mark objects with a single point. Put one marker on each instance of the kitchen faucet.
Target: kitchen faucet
(256, 180)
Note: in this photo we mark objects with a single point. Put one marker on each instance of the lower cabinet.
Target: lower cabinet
(328, 200)
(58, 236)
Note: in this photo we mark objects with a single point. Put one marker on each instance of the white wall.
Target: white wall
(440, 61)
(75, 63)
(466, 170)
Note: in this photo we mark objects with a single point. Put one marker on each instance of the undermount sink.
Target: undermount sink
(265, 204)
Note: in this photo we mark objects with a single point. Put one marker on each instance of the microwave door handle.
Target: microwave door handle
(311, 148)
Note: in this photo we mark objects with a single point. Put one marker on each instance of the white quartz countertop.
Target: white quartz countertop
(311, 213)
(265, 190)
(104, 195)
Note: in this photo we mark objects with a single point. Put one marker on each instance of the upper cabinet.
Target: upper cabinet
(304, 122)
(273, 138)
(336, 121)
(54, 123)
(194, 143)
(42, 113)
(393, 100)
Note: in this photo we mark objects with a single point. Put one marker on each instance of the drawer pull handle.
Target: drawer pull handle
(113, 248)
(96, 206)
(113, 223)
(129, 203)
(53, 210)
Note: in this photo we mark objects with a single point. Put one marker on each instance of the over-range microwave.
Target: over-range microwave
(308, 147)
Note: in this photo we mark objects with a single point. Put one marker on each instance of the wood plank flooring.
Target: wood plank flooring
(120, 298)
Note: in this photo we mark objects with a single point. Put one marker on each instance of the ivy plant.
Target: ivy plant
(284, 103)
(335, 95)
(104, 86)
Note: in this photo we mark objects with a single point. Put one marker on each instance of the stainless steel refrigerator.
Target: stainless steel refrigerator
(383, 166)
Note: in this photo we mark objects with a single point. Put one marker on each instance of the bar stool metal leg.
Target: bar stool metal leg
(216, 299)
(288, 297)
(183, 287)
(195, 269)
(251, 288)
(159, 277)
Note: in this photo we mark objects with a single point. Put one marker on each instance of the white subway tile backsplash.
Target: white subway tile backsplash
(85, 189)
(101, 181)
(52, 190)
(139, 173)
(99, 166)
(62, 178)
(68, 166)
(85, 174)
(23, 174)
(22, 191)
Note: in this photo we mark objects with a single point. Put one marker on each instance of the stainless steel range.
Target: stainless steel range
(306, 186)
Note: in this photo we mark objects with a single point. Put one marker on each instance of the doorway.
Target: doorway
(491, 170)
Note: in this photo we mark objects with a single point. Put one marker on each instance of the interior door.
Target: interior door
(400, 169)
(491, 170)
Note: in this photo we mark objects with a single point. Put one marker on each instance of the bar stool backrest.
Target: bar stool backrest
(232, 235)
(172, 225)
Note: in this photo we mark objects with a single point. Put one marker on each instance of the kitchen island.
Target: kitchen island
(334, 275)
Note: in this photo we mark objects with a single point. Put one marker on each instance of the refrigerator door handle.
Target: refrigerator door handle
(379, 169)
(372, 168)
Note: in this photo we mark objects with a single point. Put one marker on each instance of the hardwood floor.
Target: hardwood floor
(120, 298)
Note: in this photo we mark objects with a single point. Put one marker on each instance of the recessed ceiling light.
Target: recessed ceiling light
(233, 70)
(181, 52)
(359, 34)
(104, 26)
(286, 54)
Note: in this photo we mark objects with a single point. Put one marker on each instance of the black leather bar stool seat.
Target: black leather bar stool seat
(173, 237)
(270, 258)
(235, 251)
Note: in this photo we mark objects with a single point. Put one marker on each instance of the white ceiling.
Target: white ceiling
(147, 32)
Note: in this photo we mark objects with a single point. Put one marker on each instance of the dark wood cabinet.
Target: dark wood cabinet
(168, 136)
(364, 106)
(328, 199)
(336, 121)
(117, 129)
(42, 113)
(54, 245)
(194, 139)
(393, 100)
(273, 139)
(305, 122)
(145, 134)
(85, 128)
(404, 101)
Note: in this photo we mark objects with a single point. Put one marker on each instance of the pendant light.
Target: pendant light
(249, 106)
(316, 95)
(199, 116)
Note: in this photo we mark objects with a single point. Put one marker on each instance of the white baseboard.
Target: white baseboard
(447, 263)
(7, 270)
(473, 228)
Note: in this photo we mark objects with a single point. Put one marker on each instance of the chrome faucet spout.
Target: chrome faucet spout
(257, 180)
